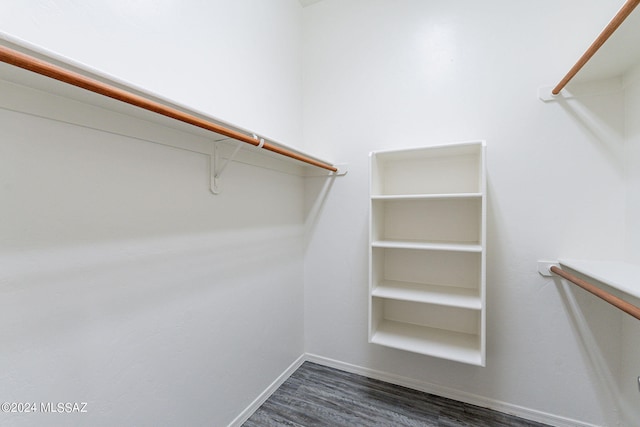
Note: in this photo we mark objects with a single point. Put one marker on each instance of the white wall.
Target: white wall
(632, 140)
(382, 74)
(237, 60)
(124, 282)
(631, 333)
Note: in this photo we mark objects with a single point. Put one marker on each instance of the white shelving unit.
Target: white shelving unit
(427, 251)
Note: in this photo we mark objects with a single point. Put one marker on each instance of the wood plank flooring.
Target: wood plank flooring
(316, 396)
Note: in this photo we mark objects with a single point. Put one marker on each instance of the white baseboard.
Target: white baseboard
(461, 396)
(249, 410)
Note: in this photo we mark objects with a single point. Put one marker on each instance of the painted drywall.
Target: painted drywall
(631, 83)
(382, 74)
(192, 52)
(630, 372)
(124, 282)
(629, 382)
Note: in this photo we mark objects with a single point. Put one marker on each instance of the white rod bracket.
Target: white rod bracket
(216, 172)
(544, 267)
(343, 168)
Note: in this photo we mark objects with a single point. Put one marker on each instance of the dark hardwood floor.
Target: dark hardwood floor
(316, 396)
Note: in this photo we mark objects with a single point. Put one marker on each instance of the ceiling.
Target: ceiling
(306, 3)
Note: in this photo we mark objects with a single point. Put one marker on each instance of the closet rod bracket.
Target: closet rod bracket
(216, 169)
(544, 267)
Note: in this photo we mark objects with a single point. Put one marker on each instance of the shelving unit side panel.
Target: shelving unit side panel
(483, 256)
(376, 269)
(378, 216)
(375, 179)
(376, 315)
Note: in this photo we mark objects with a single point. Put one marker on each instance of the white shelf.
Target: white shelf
(619, 275)
(441, 343)
(431, 246)
(444, 196)
(450, 296)
(459, 149)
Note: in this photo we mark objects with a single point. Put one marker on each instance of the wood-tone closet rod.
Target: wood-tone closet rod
(35, 65)
(622, 14)
(600, 293)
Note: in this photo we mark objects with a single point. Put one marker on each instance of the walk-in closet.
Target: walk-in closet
(320, 212)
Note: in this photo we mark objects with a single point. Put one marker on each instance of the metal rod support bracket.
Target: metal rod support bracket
(215, 170)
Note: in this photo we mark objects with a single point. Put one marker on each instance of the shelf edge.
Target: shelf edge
(469, 301)
(428, 246)
(427, 196)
